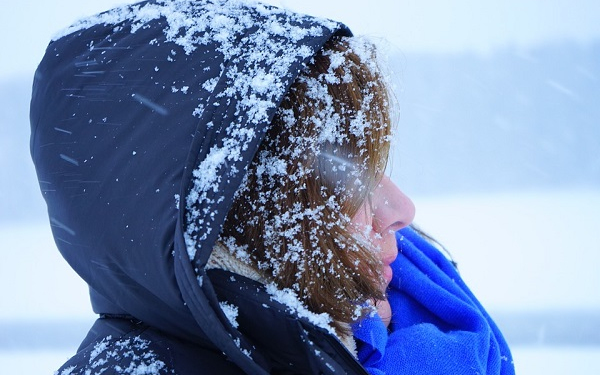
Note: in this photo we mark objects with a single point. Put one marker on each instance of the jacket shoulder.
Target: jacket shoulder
(123, 346)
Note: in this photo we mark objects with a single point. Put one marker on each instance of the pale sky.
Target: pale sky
(410, 25)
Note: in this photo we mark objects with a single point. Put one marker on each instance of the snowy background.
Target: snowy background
(498, 144)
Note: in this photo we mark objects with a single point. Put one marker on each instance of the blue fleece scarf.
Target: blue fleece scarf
(437, 327)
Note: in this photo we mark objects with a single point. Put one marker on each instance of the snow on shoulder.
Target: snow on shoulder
(124, 356)
(290, 299)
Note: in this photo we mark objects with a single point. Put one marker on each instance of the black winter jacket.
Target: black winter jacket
(144, 119)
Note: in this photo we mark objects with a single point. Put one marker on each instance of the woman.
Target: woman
(214, 171)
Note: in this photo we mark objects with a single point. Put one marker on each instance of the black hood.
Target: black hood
(144, 120)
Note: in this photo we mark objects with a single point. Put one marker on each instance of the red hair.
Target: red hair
(325, 151)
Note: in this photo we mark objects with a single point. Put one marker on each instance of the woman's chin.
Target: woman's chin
(385, 311)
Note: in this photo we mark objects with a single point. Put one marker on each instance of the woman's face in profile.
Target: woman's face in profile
(379, 218)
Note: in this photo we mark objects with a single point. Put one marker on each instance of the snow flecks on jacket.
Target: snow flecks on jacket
(246, 352)
(290, 299)
(125, 356)
(231, 312)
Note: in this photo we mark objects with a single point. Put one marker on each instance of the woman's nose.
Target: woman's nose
(392, 209)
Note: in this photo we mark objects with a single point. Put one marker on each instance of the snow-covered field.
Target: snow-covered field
(526, 250)
(522, 253)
